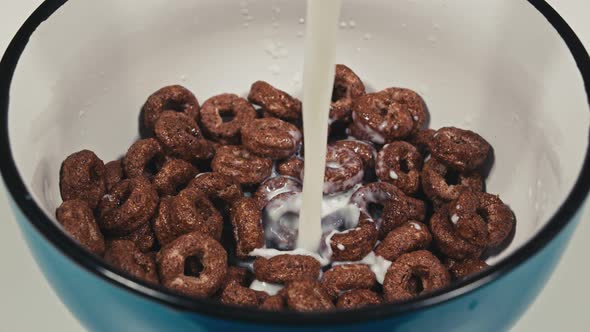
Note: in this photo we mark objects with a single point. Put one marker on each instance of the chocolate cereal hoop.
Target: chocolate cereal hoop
(171, 262)
(347, 87)
(170, 98)
(347, 277)
(275, 102)
(78, 221)
(271, 138)
(143, 158)
(400, 163)
(459, 149)
(358, 298)
(82, 177)
(181, 137)
(241, 165)
(129, 205)
(408, 237)
(124, 255)
(438, 189)
(283, 269)
(224, 116)
(378, 118)
(421, 264)
(246, 220)
(173, 175)
(344, 170)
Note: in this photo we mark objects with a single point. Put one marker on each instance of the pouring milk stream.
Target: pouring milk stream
(318, 82)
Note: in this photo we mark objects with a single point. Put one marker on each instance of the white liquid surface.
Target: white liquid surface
(318, 82)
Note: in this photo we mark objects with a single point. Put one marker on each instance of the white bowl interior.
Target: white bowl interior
(496, 67)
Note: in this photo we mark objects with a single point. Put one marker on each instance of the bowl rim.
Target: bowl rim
(68, 247)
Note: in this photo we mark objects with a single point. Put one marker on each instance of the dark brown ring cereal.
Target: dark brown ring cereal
(171, 261)
(274, 303)
(463, 269)
(400, 209)
(241, 165)
(342, 278)
(418, 264)
(421, 140)
(413, 103)
(306, 296)
(77, 219)
(279, 227)
(238, 295)
(124, 255)
(358, 298)
(282, 269)
(224, 116)
(354, 244)
(174, 174)
(171, 98)
(378, 118)
(498, 216)
(235, 274)
(400, 163)
(438, 189)
(181, 138)
(271, 138)
(246, 220)
(130, 204)
(217, 187)
(459, 149)
(364, 150)
(82, 176)
(291, 167)
(448, 241)
(275, 102)
(275, 186)
(376, 193)
(113, 173)
(408, 237)
(467, 222)
(191, 210)
(143, 237)
(143, 158)
(344, 170)
(347, 87)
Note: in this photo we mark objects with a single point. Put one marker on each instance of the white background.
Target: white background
(28, 304)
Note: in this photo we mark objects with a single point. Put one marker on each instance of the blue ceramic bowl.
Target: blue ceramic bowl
(76, 73)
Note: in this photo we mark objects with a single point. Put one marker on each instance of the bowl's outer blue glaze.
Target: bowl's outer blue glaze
(101, 306)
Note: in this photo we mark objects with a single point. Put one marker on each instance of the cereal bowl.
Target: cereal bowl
(77, 73)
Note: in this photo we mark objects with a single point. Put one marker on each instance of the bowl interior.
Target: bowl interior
(496, 67)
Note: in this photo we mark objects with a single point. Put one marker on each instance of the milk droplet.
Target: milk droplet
(275, 69)
(277, 10)
(404, 25)
(81, 113)
(249, 18)
(436, 26)
(244, 11)
(301, 20)
(367, 36)
(352, 24)
(358, 49)
(455, 219)
(183, 78)
(343, 25)
(246, 24)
